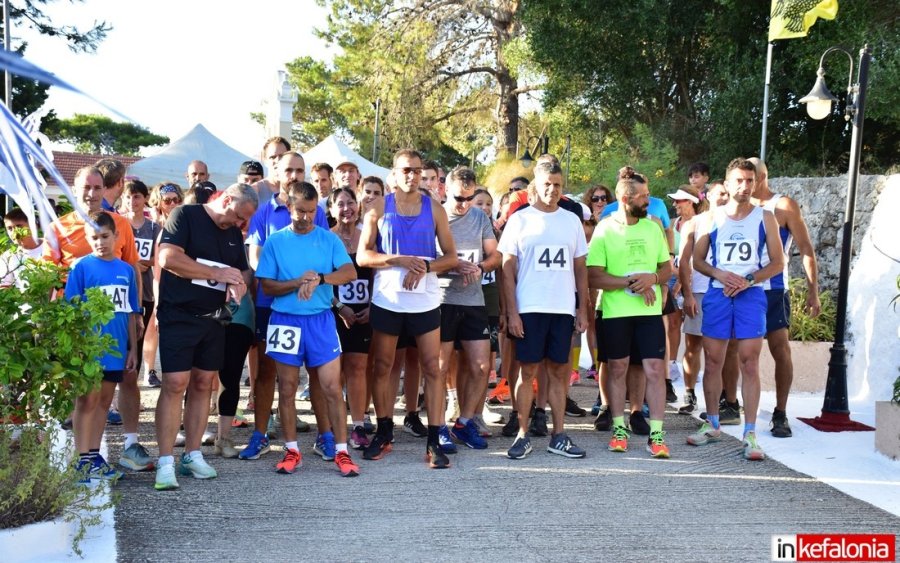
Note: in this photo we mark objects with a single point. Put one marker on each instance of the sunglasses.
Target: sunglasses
(171, 200)
(516, 189)
(461, 199)
(597, 198)
(406, 170)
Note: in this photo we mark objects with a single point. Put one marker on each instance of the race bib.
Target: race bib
(489, 278)
(354, 292)
(144, 248)
(393, 279)
(283, 339)
(119, 296)
(552, 258)
(628, 290)
(211, 284)
(736, 253)
(473, 256)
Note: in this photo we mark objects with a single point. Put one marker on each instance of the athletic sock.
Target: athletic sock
(291, 446)
(749, 427)
(576, 355)
(383, 425)
(433, 434)
(462, 421)
(196, 455)
(713, 420)
(167, 460)
(655, 425)
(357, 423)
(85, 456)
(94, 453)
(131, 438)
(342, 447)
(618, 421)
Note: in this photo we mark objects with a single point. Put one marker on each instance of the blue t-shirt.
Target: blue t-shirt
(287, 256)
(657, 208)
(116, 279)
(269, 218)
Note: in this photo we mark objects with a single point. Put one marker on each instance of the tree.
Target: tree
(691, 71)
(98, 134)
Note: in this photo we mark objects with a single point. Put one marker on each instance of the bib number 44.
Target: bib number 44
(552, 259)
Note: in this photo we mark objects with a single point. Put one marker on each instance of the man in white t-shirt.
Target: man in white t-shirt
(544, 247)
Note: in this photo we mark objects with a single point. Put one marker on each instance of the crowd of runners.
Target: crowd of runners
(355, 283)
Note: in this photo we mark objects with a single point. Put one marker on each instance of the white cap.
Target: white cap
(585, 212)
(342, 160)
(681, 194)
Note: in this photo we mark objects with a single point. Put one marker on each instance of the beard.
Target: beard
(637, 211)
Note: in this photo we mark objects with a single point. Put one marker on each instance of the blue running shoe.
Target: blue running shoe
(468, 434)
(304, 395)
(100, 469)
(595, 410)
(325, 446)
(113, 417)
(447, 445)
(83, 467)
(258, 445)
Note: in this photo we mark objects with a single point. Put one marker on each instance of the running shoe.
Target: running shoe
(520, 448)
(239, 421)
(271, 431)
(656, 444)
(690, 402)
(468, 434)
(304, 395)
(674, 371)
(447, 445)
(436, 457)
(538, 424)
(704, 435)
(83, 468)
(208, 439)
(492, 379)
(290, 462)
(671, 395)
(500, 393)
(574, 378)
(452, 412)
(562, 445)
(197, 467)
(345, 465)
(638, 424)
(179, 440)
(246, 381)
(113, 418)
(325, 446)
(412, 424)
(368, 425)
(780, 426)
(136, 458)
(259, 444)
(225, 447)
(591, 374)
(730, 414)
(358, 439)
(752, 451)
(511, 428)
(154, 381)
(214, 409)
(619, 441)
(379, 447)
(100, 469)
(302, 425)
(598, 404)
(482, 426)
(572, 408)
(603, 422)
(165, 478)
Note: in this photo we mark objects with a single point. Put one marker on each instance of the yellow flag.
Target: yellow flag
(793, 18)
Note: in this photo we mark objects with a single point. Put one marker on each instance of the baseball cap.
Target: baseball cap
(342, 160)
(204, 185)
(682, 195)
(252, 167)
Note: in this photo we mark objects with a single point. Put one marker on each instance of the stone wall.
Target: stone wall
(822, 201)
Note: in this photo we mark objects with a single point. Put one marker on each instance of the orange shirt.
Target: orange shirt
(73, 243)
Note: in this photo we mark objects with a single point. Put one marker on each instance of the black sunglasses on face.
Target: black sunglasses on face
(597, 198)
(462, 199)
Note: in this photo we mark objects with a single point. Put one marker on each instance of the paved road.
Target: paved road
(705, 504)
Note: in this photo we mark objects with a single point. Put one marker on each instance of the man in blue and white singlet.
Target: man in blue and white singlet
(737, 236)
(399, 241)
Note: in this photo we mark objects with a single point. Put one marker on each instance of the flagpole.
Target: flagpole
(765, 116)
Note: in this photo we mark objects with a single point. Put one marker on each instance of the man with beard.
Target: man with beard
(628, 257)
(737, 237)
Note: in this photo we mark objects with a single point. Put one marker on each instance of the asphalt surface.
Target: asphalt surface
(703, 504)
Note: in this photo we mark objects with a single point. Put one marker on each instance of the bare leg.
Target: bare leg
(329, 378)
(288, 380)
(168, 409)
(780, 348)
(196, 410)
(748, 351)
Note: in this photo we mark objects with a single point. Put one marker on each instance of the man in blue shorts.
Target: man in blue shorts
(298, 266)
(737, 236)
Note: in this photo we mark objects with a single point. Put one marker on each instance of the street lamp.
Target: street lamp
(543, 144)
(835, 415)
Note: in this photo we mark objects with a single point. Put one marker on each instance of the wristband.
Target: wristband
(427, 266)
(657, 277)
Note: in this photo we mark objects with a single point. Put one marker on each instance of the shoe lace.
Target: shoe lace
(658, 438)
(620, 433)
(292, 456)
(750, 439)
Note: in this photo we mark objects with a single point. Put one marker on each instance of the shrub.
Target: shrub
(804, 327)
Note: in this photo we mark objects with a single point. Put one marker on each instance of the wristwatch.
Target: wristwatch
(750, 280)
(321, 279)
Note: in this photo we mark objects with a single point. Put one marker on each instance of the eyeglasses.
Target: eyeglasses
(407, 170)
(596, 198)
(461, 199)
(516, 189)
(171, 200)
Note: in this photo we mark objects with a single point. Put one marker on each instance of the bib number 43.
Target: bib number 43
(282, 338)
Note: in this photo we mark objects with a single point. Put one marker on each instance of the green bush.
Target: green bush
(804, 327)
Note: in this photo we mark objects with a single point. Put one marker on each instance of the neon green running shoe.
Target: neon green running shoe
(752, 451)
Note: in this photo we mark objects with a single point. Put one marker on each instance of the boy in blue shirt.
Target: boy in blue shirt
(116, 278)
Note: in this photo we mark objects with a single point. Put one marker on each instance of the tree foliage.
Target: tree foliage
(692, 72)
(98, 134)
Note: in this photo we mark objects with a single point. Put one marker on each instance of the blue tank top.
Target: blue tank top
(405, 234)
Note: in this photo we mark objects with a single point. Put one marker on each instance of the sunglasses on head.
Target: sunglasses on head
(462, 199)
(597, 198)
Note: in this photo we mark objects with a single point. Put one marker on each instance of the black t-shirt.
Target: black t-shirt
(191, 228)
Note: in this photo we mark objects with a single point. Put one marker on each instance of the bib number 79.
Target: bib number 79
(283, 339)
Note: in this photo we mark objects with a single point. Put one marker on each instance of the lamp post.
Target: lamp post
(835, 415)
(543, 144)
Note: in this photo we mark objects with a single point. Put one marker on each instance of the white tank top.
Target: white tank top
(737, 246)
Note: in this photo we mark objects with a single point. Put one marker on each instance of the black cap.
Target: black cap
(252, 167)
(204, 185)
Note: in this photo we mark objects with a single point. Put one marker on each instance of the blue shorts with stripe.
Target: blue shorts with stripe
(297, 340)
(742, 316)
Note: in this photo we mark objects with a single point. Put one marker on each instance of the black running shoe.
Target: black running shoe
(730, 414)
(379, 447)
(511, 428)
(639, 424)
(572, 408)
(690, 402)
(603, 422)
(780, 426)
(671, 396)
(538, 425)
(436, 457)
(412, 424)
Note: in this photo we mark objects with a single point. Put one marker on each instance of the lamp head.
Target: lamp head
(527, 160)
(818, 101)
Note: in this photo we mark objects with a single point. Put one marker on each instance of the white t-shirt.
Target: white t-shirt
(12, 262)
(546, 246)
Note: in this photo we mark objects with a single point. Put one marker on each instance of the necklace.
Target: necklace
(407, 212)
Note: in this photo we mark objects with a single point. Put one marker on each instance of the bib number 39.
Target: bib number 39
(550, 258)
(283, 339)
(354, 292)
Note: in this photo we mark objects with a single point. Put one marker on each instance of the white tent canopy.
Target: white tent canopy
(172, 162)
(333, 151)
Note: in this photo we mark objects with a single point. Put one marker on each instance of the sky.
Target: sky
(169, 65)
